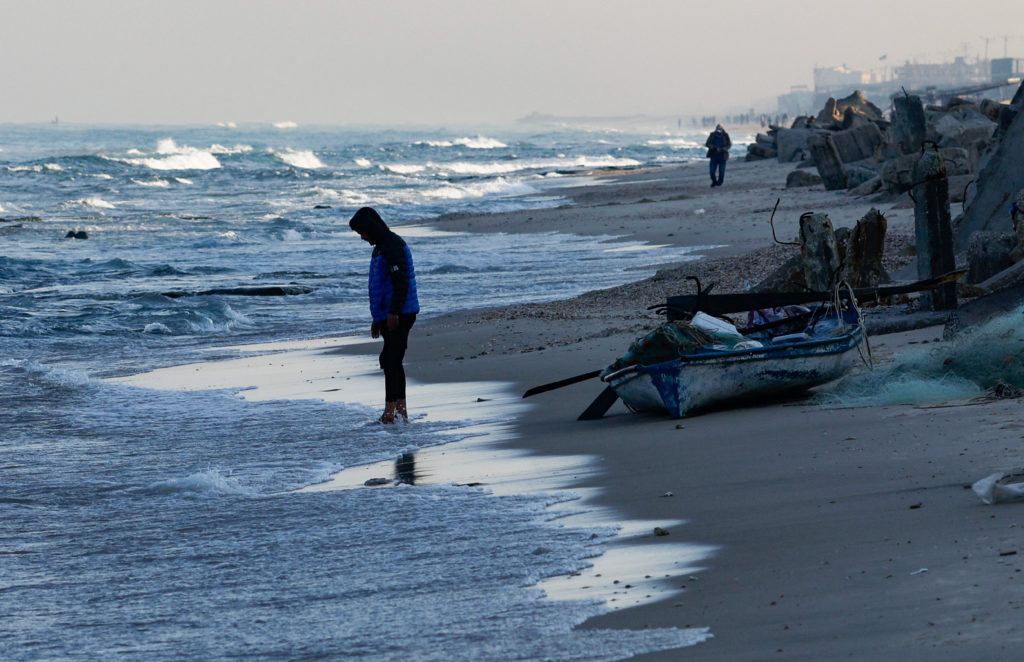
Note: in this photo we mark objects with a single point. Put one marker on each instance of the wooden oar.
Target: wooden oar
(561, 382)
(600, 405)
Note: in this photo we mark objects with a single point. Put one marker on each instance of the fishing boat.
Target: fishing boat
(723, 365)
(681, 369)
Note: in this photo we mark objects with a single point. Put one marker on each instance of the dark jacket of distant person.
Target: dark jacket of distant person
(718, 144)
(392, 276)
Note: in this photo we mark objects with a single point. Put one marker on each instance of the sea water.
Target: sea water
(170, 524)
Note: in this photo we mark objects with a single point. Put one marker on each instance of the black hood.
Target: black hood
(368, 222)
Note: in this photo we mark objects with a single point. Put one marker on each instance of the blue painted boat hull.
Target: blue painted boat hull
(702, 380)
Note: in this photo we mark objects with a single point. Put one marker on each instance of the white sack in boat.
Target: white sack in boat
(722, 332)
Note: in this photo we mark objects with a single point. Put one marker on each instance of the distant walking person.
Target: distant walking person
(393, 304)
(718, 145)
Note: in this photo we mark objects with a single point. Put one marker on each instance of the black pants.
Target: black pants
(395, 344)
(717, 164)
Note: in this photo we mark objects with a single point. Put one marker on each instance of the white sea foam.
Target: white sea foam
(287, 124)
(563, 162)
(320, 191)
(157, 327)
(168, 146)
(174, 157)
(299, 158)
(95, 202)
(227, 125)
(480, 142)
(471, 168)
(676, 143)
(403, 168)
(223, 149)
(53, 375)
(499, 186)
(2, 210)
(358, 197)
(211, 481)
(157, 183)
(182, 180)
(365, 163)
(197, 160)
(101, 175)
(33, 168)
(204, 324)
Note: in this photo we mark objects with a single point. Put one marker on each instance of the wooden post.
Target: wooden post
(865, 250)
(826, 158)
(819, 252)
(933, 229)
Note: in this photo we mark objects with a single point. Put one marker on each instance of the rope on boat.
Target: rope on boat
(868, 360)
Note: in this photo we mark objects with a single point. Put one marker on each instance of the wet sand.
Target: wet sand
(830, 534)
(792, 531)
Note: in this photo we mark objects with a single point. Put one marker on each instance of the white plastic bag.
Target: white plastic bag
(1002, 487)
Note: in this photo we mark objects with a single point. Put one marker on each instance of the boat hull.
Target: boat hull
(695, 382)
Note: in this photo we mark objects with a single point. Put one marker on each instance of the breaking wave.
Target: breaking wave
(95, 202)
(300, 158)
(479, 142)
(174, 157)
(211, 481)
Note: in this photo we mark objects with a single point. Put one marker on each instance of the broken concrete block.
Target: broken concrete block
(988, 253)
(792, 144)
(960, 128)
(761, 151)
(958, 187)
(857, 103)
(799, 178)
(830, 116)
(908, 123)
(869, 187)
(826, 158)
(858, 174)
(897, 174)
(858, 143)
(999, 177)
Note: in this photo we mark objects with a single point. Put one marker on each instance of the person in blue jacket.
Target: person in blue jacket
(718, 144)
(393, 304)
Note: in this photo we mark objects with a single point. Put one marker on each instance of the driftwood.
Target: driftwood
(933, 228)
(719, 304)
(863, 255)
(819, 251)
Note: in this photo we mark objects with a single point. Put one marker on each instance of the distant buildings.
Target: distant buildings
(995, 79)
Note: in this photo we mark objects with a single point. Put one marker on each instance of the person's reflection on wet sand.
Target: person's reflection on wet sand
(405, 468)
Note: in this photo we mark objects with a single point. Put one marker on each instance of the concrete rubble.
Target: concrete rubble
(975, 153)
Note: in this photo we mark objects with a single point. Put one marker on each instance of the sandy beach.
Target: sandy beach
(839, 534)
(794, 532)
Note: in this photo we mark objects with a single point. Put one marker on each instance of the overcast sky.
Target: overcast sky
(456, 62)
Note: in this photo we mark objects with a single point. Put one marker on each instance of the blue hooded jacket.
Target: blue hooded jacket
(392, 283)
